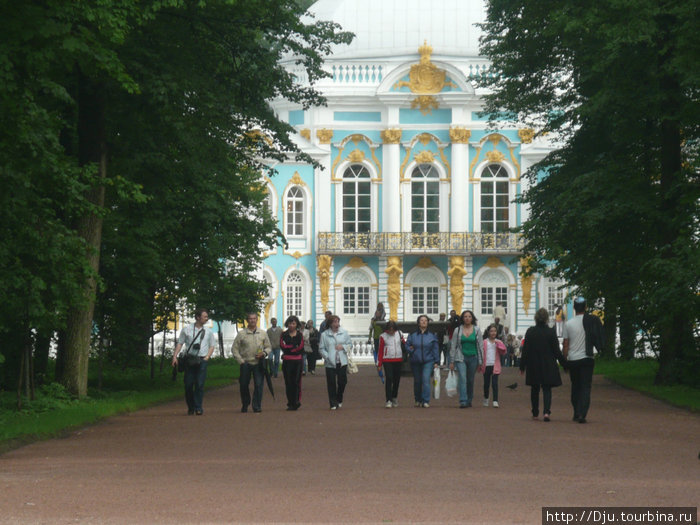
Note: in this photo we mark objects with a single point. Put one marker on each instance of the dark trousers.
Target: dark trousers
(581, 374)
(546, 399)
(392, 373)
(336, 379)
(490, 379)
(248, 370)
(194, 385)
(311, 361)
(291, 370)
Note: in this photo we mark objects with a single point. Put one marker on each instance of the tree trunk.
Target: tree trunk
(42, 345)
(221, 340)
(91, 149)
(627, 334)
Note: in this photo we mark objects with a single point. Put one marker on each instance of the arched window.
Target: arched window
(295, 212)
(356, 199)
(425, 295)
(294, 295)
(494, 199)
(493, 290)
(425, 199)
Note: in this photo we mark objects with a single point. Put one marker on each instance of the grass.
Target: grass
(54, 413)
(639, 374)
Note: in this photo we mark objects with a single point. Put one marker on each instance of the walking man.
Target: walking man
(581, 334)
(274, 333)
(249, 348)
(199, 346)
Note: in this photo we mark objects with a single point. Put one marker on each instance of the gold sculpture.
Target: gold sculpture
(324, 135)
(456, 273)
(424, 157)
(306, 133)
(324, 277)
(356, 155)
(460, 135)
(425, 77)
(391, 136)
(495, 156)
(526, 135)
(426, 103)
(394, 271)
(526, 283)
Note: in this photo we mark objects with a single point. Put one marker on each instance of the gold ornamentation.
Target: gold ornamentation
(306, 133)
(456, 273)
(474, 161)
(296, 179)
(425, 138)
(495, 156)
(256, 134)
(394, 270)
(425, 262)
(356, 155)
(526, 283)
(377, 164)
(424, 157)
(493, 262)
(324, 277)
(516, 163)
(526, 135)
(495, 138)
(268, 305)
(324, 135)
(356, 262)
(445, 162)
(391, 136)
(357, 137)
(460, 135)
(426, 103)
(425, 77)
(297, 255)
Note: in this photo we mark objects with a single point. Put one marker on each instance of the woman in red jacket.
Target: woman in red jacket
(493, 350)
(390, 356)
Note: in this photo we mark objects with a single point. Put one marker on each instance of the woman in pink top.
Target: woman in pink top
(493, 350)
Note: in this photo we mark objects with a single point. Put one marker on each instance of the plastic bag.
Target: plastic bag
(352, 367)
(451, 384)
(436, 383)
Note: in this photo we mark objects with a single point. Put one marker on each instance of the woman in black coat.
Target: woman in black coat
(539, 362)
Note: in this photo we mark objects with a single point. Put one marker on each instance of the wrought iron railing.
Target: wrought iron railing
(405, 243)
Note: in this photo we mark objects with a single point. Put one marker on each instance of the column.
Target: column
(459, 213)
(391, 200)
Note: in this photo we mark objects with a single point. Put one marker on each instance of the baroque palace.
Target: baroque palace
(414, 203)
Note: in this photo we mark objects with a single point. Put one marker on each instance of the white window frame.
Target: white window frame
(485, 277)
(294, 200)
(355, 324)
(512, 186)
(307, 288)
(420, 277)
(374, 194)
(407, 193)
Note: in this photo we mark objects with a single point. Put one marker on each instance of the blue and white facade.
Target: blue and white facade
(414, 202)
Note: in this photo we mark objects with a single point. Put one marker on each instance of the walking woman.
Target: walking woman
(292, 346)
(493, 350)
(390, 357)
(466, 355)
(311, 337)
(424, 352)
(335, 345)
(539, 363)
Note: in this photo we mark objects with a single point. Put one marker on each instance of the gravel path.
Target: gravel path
(362, 463)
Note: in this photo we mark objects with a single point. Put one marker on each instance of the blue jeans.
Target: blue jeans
(258, 379)
(194, 386)
(465, 379)
(421, 381)
(274, 361)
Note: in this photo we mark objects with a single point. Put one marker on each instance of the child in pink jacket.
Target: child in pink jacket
(491, 368)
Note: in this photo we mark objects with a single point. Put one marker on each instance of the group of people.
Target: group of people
(470, 352)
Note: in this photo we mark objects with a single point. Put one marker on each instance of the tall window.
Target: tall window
(425, 300)
(492, 295)
(555, 297)
(294, 295)
(356, 199)
(494, 199)
(295, 212)
(425, 199)
(356, 300)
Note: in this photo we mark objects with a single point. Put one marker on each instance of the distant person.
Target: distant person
(311, 339)
(424, 354)
(493, 350)
(559, 319)
(390, 358)
(292, 345)
(250, 346)
(375, 330)
(324, 324)
(581, 334)
(273, 334)
(539, 363)
(199, 345)
(335, 345)
(466, 355)
(499, 312)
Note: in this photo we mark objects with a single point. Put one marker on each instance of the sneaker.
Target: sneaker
(394, 403)
(426, 405)
(340, 405)
(417, 404)
(546, 418)
(388, 404)
(334, 407)
(495, 404)
(486, 401)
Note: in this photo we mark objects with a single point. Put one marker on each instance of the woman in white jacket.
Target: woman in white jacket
(390, 357)
(335, 345)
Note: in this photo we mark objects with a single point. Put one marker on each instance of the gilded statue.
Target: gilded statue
(324, 277)
(394, 270)
(456, 274)
(425, 77)
(526, 283)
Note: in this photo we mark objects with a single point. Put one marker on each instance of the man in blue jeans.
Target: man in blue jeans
(424, 352)
(198, 343)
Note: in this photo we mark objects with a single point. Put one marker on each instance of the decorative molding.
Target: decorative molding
(391, 135)
(425, 262)
(297, 255)
(324, 135)
(460, 135)
(425, 138)
(296, 180)
(456, 273)
(324, 262)
(425, 77)
(526, 283)
(424, 157)
(356, 262)
(495, 138)
(306, 133)
(356, 155)
(473, 164)
(394, 269)
(526, 135)
(515, 163)
(426, 103)
(495, 156)
(494, 262)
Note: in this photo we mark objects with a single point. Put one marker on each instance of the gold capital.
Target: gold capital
(460, 135)
(526, 135)
(391, 136)
(324, 135)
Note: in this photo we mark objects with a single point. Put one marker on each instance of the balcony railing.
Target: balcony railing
(407, 243)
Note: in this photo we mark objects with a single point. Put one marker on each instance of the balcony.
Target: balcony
(418, 243)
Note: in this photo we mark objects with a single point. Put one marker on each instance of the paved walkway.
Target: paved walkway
(362, 463)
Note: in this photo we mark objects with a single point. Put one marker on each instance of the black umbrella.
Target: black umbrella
(264, 364)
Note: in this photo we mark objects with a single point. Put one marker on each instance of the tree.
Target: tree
(617, 209)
